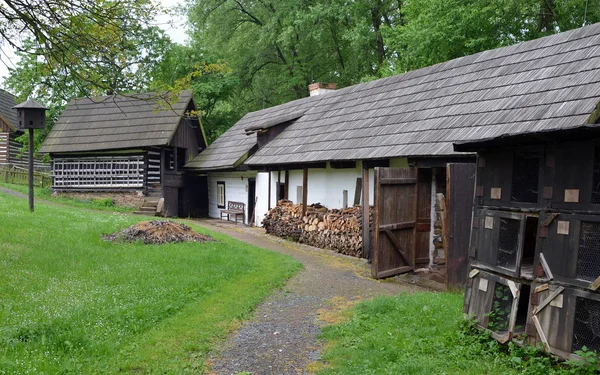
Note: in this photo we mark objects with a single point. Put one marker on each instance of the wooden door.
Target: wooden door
(460, 187)
(395, 221)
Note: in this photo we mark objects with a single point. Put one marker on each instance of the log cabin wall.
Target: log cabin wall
(4, 144)
(536, 243)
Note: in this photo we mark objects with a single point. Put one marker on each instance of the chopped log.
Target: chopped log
(336, 229)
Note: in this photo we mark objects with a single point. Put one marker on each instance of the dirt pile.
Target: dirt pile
(157, 232)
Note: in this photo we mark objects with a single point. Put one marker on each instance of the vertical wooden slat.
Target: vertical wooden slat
(304, 189)
(269, 193)
(415, 209)
(286, 189)
(376, 218)
(460, 195)
(278, 187)
(365, 214)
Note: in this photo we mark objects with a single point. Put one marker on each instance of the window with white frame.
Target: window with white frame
(221, 194)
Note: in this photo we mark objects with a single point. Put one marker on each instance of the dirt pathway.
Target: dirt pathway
(282, 337)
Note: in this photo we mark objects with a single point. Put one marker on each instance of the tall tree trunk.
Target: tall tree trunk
(546, 21)
(376, 20)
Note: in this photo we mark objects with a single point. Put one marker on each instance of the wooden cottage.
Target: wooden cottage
(389, 142)
(535, 244)
(135, 144)
(10, 149)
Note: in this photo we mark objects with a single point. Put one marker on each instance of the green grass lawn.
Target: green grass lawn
(72, 303)
(46, 194)
(419, 334)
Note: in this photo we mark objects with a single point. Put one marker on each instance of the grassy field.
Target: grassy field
(425, 334)
(46, 194)
(72, 303)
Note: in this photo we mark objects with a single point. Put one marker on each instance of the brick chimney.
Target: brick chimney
(320, 88)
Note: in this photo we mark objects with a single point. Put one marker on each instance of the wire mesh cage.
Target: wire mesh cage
(525, 178)
(588, 258)
(586, 327)
(508, 243)
(596, 177)
(499, 315)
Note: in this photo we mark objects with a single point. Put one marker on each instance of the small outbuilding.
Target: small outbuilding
(534, 272)
(131, 146)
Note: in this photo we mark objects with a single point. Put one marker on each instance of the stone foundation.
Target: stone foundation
(133, 199)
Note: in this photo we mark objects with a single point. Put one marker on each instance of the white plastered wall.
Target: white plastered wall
(236, 190)
(325, 186)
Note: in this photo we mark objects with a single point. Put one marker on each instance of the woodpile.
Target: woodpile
(335, 229)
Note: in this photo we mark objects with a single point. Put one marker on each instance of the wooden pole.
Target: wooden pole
(31, 170)
(269, 198)
(278, 187)
(286, 188)
(304, 189)
(365, 214)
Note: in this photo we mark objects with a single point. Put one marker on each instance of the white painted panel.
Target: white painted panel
(262, 188)
(236, 189)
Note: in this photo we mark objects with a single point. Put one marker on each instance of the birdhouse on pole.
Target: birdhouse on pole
(31, 114)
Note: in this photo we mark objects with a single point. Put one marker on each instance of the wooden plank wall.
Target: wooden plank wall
(10, 152)
(423, 233)
(4, 137)
(186, 136)
(459, 202)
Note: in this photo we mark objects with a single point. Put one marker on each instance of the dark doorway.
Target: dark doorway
(251, 199)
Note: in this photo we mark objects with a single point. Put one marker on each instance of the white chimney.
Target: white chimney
(320, 88)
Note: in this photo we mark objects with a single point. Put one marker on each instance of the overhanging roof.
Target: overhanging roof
(234, 146)
(117, 122)
(548, 83)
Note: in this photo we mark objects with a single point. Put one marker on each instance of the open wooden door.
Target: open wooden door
(395, 221)
(460, 188)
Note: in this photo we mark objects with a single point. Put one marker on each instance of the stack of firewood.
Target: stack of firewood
(335, 229)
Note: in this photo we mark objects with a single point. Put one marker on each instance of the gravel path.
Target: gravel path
(281, 339)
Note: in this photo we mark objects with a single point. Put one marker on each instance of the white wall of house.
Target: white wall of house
(325, 186)
(236, 190)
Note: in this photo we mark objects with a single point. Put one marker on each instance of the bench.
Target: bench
(236, 209)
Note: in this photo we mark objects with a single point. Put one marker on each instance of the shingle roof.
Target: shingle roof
(116, 122)
(231, 148)
(7, 102)
(548, 83)
(576, 133)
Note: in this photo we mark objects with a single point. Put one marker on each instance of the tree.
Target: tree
(211, 80)
(440, 30)
(95, 43)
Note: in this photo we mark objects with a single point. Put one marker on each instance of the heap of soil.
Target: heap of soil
(157, 232)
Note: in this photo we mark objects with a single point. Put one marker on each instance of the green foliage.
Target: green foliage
(211, 80)
(106, 202)
(73, 303)
(275, 49)
(426, 333)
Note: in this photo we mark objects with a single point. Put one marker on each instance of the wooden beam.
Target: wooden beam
(547, 301)
(365, 214)
(540, 332)
(546, 267)
(358, 191)
(278, 189)
(304, 189)
(286, 188)
(269, 193)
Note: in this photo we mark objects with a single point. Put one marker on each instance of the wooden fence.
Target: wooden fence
(21, 177)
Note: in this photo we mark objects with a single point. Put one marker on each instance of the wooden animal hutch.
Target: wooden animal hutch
(535, 240)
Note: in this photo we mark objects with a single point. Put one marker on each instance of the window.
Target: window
(220, 194)
(526, 169)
